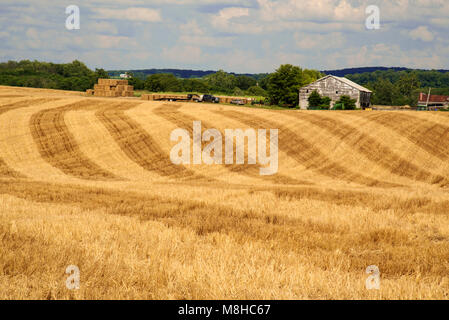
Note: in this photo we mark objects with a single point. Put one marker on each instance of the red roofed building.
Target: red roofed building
(433, 100)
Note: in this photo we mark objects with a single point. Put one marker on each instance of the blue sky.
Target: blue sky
(234, 35)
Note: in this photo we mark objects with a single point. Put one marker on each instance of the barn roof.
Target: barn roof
(347, 81)
(433, 98)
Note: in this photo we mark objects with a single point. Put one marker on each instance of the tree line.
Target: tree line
(279, 88)
(217, 83)
(70, 76)
(398, 88)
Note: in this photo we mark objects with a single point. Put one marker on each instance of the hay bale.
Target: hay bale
(102, 87)
(104, 82)
(112, 82)
(122, 87)
(112, 94)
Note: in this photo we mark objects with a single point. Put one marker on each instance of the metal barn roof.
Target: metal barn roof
(345, 80)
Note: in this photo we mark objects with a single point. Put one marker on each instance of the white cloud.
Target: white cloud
(183, 54)
(192, 34)
(235, 12)
(191, 28)
(422, 33)
(102, 27)
(222, 19)
(236, 35)
(225, 21)
(384, 55)
(132, 14)
(316, 41)
(318, 10)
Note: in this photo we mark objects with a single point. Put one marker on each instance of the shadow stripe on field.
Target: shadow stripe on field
(371, 148)
(429, 136)
(139, 146)
(301, 150)
(5, 170)
(58, 147)
(171, 113)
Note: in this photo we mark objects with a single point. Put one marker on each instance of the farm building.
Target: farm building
(433, 100)
(334, 87)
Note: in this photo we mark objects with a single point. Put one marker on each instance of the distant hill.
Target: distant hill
(350, 71)
(187, 74)
(180, 73)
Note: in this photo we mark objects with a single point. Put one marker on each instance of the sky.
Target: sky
(243, 36)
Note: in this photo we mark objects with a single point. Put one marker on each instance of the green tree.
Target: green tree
(195, 85)
(238, 92)
(245, 82)
(256, 91)
(310, 76)
(163, 82)
(221, 82)
(406, 86)
(325, 103)
(137, 83)
(384, 92)
(284, 84)
(346, 103)
(263, 82)
(315, 99)
(101, 74)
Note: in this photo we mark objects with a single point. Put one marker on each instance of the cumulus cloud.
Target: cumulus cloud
(132, 14)
(237, 35)
(227, 20)
(422, 33)
(191, 33)
(183, 54)
(333, 40)
(222, 19)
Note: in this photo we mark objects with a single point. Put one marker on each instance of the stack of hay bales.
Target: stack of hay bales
(112, 88)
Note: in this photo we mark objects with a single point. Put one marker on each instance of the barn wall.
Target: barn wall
(328, 87)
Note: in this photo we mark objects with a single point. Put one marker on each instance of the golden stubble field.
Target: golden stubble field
(88, 182)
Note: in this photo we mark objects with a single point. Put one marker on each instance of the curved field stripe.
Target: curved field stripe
(58, 147)
(7, 96)
(305, 153)
(95, 140)
(170, 112)
(428, 135)
(138, 145)
(5, 170)
(372, 149)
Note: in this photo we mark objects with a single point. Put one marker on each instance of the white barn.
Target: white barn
(334, 87)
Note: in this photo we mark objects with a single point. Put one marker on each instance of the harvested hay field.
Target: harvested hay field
(88, 182)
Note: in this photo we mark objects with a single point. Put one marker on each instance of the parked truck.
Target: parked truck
(208, 98)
